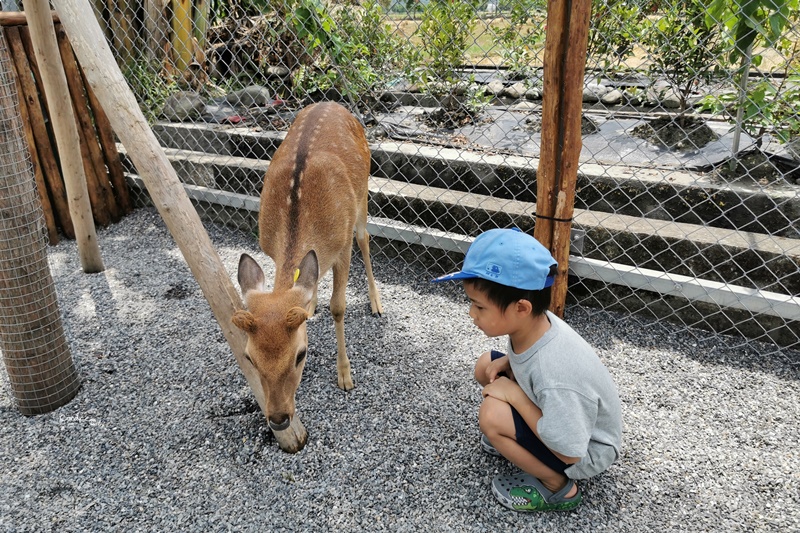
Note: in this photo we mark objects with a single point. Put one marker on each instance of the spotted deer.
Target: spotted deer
(314, 196)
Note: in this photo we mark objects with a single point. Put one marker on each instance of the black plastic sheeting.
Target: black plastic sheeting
(509, 130)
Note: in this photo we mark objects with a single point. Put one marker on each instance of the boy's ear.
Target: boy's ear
(524, 307)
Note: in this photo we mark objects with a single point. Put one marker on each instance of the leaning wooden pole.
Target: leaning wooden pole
(166, 190)
(48, 56)
(564, 65)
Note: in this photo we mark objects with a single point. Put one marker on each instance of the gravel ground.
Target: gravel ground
(164, 434)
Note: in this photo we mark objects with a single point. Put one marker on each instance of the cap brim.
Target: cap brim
(454, 276)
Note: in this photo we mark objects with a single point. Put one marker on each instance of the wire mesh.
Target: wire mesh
(687, 206)
(41, 373)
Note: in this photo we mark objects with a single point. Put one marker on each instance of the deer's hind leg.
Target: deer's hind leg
(362, 238)
(341, 270)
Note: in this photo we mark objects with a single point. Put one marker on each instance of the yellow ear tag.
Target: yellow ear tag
(296, 275)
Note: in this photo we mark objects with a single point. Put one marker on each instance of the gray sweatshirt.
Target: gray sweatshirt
(581, 413)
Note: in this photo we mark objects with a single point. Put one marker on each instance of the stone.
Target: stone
(671, 99)
(182, 106)
(534, 93)
(495, 87)
(278, 71)
(792, 148)
(515, 91)
(613, 97)
(251, 96)
(663, 94)
(592, 92)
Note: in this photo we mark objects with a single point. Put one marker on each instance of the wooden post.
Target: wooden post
(40, 25)
(105, 209)
(30, 97)
(41, 186)
(165, 189)
(562, 105)
(108, 144)
(36, 354)
(157, 29)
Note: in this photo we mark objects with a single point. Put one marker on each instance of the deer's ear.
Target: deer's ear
(244, 320)
(294, 317)
(308, 275)
(251, 277)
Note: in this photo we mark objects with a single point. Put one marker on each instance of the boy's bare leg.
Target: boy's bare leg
(497, 423)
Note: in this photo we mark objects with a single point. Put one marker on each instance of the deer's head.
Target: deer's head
(275, 324)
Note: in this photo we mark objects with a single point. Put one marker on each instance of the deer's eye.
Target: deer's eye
(300, 357)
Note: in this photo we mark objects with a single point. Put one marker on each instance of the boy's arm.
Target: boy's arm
(501, 365)
(510, 392)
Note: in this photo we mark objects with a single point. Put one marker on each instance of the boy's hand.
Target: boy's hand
(503, 389)
(499, 366)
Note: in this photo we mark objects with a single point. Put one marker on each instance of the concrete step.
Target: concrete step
(229, 187)
(656, 194)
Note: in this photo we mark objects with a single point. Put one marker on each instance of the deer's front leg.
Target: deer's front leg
(345, 378)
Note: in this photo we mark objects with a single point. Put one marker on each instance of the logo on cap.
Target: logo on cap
(494, 270)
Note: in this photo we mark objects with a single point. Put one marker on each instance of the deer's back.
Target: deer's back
(315, 187)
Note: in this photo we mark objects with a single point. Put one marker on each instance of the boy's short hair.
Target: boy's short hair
(503, 295)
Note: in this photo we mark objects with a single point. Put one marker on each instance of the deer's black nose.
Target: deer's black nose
(279, 422)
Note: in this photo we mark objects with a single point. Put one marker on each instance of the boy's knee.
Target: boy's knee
(491, 415)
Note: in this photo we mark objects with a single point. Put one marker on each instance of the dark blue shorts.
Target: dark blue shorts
(528, 439)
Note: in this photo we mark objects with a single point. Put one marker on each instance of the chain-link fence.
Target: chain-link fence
(687, 205)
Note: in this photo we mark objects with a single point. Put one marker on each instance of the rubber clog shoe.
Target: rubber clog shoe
(523, 492)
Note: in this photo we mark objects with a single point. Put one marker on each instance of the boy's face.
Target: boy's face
(487, 316)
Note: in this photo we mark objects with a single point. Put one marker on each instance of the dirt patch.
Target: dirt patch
(533, 124)
(676, 133)
(759, 167)
(448, 118)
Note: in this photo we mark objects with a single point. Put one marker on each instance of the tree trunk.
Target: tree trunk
(36, 354)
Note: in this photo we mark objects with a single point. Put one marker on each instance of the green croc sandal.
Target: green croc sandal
(487, 446)
(523, 492)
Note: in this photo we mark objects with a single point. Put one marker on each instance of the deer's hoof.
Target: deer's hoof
(346, 383)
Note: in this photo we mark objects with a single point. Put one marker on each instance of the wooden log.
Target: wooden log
(104, 205)
(564, 64)
(41, 185)
(108, 145)
(157, 29)
(159, 177)
(95, 197)
(30, 96)
(35, 352)
(121, 24)
(17, 18)
(65, 128)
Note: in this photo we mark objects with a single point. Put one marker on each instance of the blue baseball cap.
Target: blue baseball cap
(508, 257)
